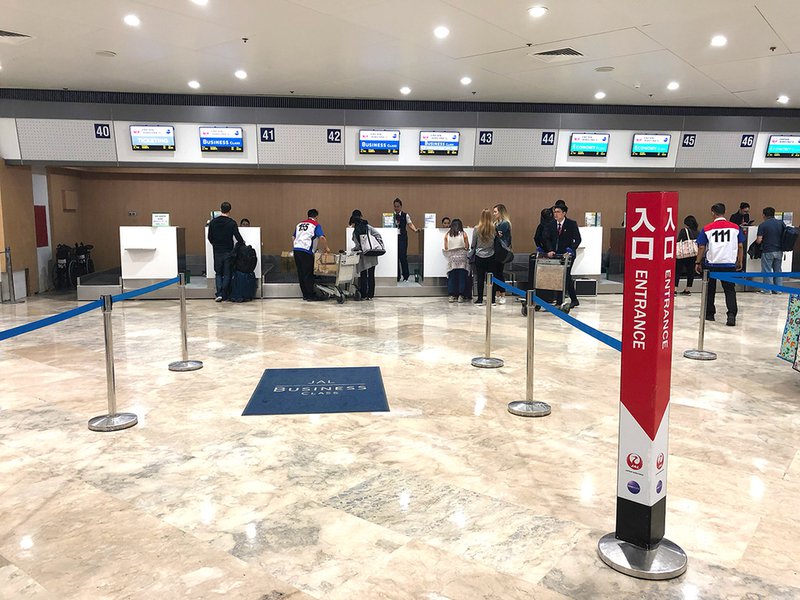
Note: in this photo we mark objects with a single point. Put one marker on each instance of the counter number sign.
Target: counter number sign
(747, 140)
(267, 134)
(548, 138)
(689, 139)
(334, 136)
(102, 131)
(485, 138)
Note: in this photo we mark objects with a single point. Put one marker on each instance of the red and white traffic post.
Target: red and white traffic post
(638, 547)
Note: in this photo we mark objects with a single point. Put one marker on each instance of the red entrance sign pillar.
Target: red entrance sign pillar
(638, 547)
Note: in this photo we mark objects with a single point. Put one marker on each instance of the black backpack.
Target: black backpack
(789, 238)
(244, 258)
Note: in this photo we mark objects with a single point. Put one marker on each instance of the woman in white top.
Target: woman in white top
(456, 246)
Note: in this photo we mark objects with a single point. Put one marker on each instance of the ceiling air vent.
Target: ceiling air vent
(557, 55)
(15, 39)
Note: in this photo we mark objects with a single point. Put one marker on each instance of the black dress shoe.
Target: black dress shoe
(731, 322)
(710, 318)
(574, 304)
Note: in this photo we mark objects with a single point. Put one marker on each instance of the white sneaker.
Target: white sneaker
(501, 300)
(218, 299)
(461, 299)
(451, 299)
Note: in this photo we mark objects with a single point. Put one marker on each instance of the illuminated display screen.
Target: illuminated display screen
(221, 139)
(783, 146)
(439, 143)
(379, 141)
(153, 137)
(589, 144)
(654, 145)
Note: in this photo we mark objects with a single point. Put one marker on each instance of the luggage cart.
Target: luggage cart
(548, 278)
(342, 284)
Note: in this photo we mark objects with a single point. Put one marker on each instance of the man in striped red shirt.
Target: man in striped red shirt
(720, 247)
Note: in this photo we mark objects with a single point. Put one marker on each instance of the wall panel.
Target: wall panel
(277, 202)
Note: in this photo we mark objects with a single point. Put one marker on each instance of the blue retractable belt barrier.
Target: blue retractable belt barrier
(741, 278)
(74, 312)
(758, 274)
(144, 290)
(68, 314)
(595, 333)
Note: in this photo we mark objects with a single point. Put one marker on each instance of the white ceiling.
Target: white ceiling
(371, 48)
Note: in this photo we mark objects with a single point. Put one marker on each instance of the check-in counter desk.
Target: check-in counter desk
(434, 261)
(589, 255)
(753, 265)
(387, 263)
(150, 254)
(251, 237)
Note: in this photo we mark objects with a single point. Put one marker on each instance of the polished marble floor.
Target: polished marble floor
(447, 496)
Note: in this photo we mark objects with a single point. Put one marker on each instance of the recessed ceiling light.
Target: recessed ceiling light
(604, 69)
(673, 85)
(200, 2)
(405, 90)
(466, 80)
(106, 53)
(441, 32)
(537, 11)
(194, 84)
(599, 95)
(132, 20)
(783, 99)
(241, 74)
(719, 41)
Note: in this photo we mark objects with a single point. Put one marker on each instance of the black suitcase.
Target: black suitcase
(243, 286)
(468, 286)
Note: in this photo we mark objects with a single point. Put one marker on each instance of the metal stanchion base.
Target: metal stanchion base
(186, 365)
(113, 422)
(700, 355)
(666, 561)
(529, 409)
(483, 362)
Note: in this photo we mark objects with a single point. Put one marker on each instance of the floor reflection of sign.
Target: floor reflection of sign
(314, 391)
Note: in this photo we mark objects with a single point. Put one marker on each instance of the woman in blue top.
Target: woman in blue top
(502, 223)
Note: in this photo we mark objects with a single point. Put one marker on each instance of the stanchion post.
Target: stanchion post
(487, 361)
(185, 364)
(113, 421)
(699, 353)
(12, 293)
(529, 408)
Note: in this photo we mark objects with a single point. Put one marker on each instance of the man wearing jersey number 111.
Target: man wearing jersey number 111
(720, 247)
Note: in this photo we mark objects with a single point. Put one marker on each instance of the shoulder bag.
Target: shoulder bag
(686, 248)
(371, 245)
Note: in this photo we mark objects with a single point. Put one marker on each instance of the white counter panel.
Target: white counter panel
(148, 252)
(589, 256)
(251, 236)
(434, 260)
(387, 264)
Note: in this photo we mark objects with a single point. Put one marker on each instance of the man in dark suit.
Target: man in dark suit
(562, 236)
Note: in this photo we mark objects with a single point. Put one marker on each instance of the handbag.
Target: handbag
(686, 248)
(370, 245)
(754, 251)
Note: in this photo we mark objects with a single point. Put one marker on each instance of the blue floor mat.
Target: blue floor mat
(317, 391)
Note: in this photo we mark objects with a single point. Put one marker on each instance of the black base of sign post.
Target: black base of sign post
(639, 524)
